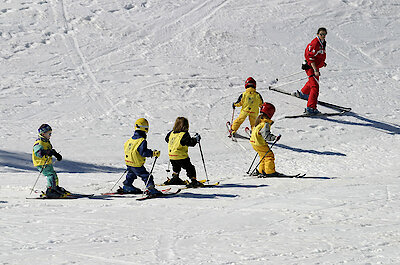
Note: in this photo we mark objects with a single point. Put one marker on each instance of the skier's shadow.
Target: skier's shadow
(385, 127)
(204, 196)
(19, 161)
(327, 153)
(185, 194)
(248, 186)
(389, 128)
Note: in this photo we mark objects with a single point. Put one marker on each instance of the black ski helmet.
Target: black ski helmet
(44, 128)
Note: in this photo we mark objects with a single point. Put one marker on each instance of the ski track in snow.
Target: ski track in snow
(91, 68)
(69, 30)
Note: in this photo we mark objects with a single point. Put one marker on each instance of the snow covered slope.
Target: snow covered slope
(91, 68)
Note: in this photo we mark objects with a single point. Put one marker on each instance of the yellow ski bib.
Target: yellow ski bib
(41, 161)
(176, 151)
(132, 156)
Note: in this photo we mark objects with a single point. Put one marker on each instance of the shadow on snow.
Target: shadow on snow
(232, 185)
(203, 196)
(366, 122)
(327, 153)
(18, 161)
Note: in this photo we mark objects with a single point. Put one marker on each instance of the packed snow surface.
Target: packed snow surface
(90, 68)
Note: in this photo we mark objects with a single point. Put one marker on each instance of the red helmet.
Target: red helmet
(250, 82)
(268, 109)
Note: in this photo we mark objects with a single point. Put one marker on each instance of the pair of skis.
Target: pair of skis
(341, 110)
(164, 193)
(70, 196)
(280, 175)
(167, 192)
(160, 195)
(185, 186)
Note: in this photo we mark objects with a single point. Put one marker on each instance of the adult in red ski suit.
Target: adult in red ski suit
(315, 55)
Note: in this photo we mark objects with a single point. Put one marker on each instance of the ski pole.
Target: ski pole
(169, 162)
(204, 164)
(233, 115)
(118, 180)
(264, 156)
(291, 82)
(230, 129)
(284, 84)
(286, 76)
(168, 170)
(150, 174)
(248, 171)
(45, 165)
(152, 167)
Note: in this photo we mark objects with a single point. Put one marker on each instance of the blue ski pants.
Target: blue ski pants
(134, 172)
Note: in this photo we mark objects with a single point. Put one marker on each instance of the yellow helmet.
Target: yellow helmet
(142, 125)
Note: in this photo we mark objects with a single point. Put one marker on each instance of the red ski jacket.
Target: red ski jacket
(315, 52)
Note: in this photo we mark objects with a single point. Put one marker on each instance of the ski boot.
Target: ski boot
(255, 173)
(232, 133)
(129, 189)
(300, 94)
(311, 111)
(54, 193)
(271, 175)
(175, 180)
(152, 191)
(62, 190)
(195, 184)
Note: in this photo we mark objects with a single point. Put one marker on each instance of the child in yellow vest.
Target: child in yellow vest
(136, 152)
(259, 137)
(178, 141)
(250, 101)
(42, 159)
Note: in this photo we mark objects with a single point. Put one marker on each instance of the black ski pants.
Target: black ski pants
(177, 165)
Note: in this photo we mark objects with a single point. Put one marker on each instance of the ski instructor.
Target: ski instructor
(315, 55)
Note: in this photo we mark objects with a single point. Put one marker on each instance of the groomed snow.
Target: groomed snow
(90, 68)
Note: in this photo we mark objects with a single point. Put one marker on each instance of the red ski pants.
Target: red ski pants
(311, 88)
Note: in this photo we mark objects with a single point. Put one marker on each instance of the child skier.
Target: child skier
(178, 141)
(250, 101)
(42, 159)
(259, 137)
(136, 152)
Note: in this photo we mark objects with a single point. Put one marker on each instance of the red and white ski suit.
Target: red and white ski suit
(315, 52)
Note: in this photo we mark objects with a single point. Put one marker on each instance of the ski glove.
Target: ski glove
(57, 155)
(305, 66)
(47, 152)
(197, 136)
(156, 153)
(233, 105)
